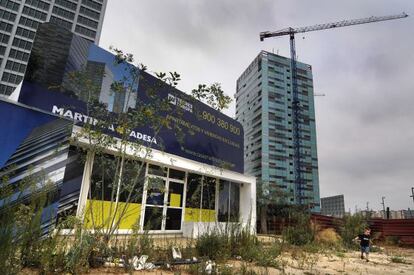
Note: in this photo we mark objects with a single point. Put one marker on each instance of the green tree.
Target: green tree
(213, 95)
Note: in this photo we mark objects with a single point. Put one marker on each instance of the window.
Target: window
(90, 13)
(2, 50)
(209, 193)
(193, 196)
(25, 33)
(15, 66)
(66, 4)
(5, 89)
(29, 22)
(92, 4)
(23, 44)
(9, 5)
(85, 31)
(38, 4)
(157, 170)
(175, 174)
(63, 13)
(175, 204)
(11, 78)
(87, 22)
(61, 22)
(9, 16)
(34, 13)
(132, 181)
(4, 38)
(105, 180)
(200, 198)
(229, 201)
(16, 54)
(6, 26)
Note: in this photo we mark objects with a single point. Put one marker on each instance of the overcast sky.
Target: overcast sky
(365, 123)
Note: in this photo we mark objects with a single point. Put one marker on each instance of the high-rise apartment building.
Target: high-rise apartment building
(264, 108)
(19, 20)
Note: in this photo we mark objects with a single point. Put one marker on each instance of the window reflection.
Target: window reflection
(223, 204)
(209, 193)
(153, 218)
(155, 191)
(193, 196)
(229, 201)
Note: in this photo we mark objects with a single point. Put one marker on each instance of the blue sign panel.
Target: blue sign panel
(208, 136)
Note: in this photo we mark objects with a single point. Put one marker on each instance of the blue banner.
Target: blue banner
(208, 136)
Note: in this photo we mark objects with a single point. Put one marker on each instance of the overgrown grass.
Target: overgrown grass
(352, 226)
(237, 242)
(398, 259)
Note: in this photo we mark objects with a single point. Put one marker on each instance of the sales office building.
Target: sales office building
(200, 180)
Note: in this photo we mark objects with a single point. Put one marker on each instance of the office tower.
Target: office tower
(102, 78)
(333, 206)
(264, 108)
(19, 20)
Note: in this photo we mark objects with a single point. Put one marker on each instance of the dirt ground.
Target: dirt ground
(389, 261)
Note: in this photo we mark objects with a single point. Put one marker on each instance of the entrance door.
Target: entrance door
(164, 199)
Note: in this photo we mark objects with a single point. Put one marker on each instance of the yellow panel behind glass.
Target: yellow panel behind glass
(199, 215)
(99, 214)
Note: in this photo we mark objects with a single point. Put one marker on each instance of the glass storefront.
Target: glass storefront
(166, 197)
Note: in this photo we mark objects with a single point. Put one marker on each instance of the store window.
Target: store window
(193, 197)
(229, 201)
(200, 198)
(115, 194)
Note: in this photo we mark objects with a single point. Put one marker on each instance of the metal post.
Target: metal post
(383, 206)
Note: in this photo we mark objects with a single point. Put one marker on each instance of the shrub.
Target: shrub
(351, 227)
(392, 240)
(213, 245)
(268, 256)
(328, 236)
(398, 259)
(301, 232)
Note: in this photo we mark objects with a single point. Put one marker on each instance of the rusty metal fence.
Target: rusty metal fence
(399, 229)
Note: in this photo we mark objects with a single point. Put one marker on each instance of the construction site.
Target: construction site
(108, 167)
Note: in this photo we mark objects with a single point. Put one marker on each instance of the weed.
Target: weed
(398, 260)
(302, 232)
(351, 227)
(340, 254)
(328, 236)
(213, 245)
(392, 240)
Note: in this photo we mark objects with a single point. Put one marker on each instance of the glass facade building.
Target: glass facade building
(333, 206)
(19, 20)
(264, 108)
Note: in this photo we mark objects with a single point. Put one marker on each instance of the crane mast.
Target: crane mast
(300, 183)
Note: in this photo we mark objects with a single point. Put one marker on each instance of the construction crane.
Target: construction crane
(296, 108)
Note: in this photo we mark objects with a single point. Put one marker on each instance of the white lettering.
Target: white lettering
(69, 114)
(56, 110)
(78, 116)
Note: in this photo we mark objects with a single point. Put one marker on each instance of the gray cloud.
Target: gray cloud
(365, 123)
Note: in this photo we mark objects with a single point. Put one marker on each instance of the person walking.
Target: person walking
(364, 242)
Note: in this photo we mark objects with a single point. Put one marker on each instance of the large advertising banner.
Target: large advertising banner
(208, 136)
(34, 152)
